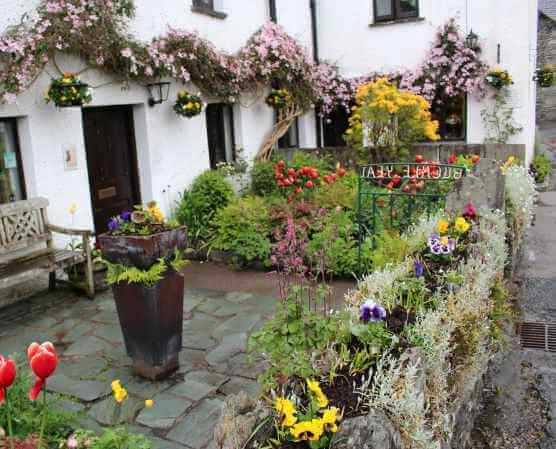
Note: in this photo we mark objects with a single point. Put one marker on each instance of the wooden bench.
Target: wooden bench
(26, 243)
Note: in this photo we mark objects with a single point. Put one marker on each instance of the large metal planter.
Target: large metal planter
(142, 251)
(151, 318)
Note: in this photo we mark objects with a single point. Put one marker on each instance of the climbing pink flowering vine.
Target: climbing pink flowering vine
(96, 30)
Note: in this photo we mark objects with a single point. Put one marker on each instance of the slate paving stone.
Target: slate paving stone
(67, 405)
(209, 306)
(109, 413)
(110, 332)
(167, 408)
(44, 322)
(215, 379)
(237, 324)
(86, 345)
(191, 360)
(229, 309)
(192, 389)
(197, 429)
(240, 365)
(86, 390)
(200, 322)
(146, 389)
(83, 367)
(230, 346)
(197, 340)
(105, 316)
(190, 302)
(237, 384)
(159, 443)
(76, 332)
(238, 297)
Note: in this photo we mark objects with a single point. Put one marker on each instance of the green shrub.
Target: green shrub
(338, 194)
(243, 227)
(542, 167)
(301, 158)
(389, 248)
(198, 205)
(262, 179)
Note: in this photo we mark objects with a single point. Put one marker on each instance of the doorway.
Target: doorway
(111, 161)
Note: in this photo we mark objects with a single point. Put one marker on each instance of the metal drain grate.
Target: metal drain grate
(538, 336)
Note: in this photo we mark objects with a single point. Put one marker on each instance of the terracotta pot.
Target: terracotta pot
(142, 251)
(151, 319)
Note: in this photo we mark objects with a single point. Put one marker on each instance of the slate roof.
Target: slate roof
(548, 8)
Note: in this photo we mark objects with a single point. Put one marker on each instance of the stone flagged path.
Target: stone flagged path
(87, 335)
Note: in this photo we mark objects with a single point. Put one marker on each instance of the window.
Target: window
(291, 138)
(12, 187)
(389, 10)
(220, 132)
(208, 7)
(334, 127)
(452, 118)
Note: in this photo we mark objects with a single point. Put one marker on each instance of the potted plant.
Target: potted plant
(188, 105)
(499, 78)
(77, 273)
(68, 91)
(279, 99)
(144, 257)
(545, 76)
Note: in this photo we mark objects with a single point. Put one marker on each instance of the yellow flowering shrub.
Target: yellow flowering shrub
(386, 121)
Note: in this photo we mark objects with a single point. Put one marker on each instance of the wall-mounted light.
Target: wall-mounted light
(158, 92)
(472, 41)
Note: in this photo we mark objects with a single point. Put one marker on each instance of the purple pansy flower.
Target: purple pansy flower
(437, 247)
(126, 215)
(113, 224)
(371, 312)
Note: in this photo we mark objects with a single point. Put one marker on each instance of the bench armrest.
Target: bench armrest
(61, 230)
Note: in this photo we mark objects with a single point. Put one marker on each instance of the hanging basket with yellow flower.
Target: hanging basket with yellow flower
(499, 78)
(188, 104)
(68, 91)
(279, 99)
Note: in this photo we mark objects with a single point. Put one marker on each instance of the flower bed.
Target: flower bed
(409, 350)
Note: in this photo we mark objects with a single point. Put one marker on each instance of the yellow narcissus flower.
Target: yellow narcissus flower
(286, 410)
(116, 385)
(322, 400)
(443, 226)
(308, 430)
(329, 419)
(120, 395)
(462, 225)
(155, 212)
(73, 208)
(149, 403)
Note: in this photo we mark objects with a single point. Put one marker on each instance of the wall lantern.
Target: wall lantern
(472, 41)
(158, 92)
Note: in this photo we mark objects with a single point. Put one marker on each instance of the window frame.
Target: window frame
(294, 125)
(464, 117)
(222, 134)
(19, 159)
(397, 15)
(200, 7)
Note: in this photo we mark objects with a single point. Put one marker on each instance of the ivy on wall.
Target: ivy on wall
(97, 31)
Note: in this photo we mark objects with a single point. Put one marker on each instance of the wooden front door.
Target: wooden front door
(112, 162)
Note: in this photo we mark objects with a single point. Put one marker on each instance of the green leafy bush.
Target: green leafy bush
(338, 194)
(389, 248)
(542, 167)
(111, 438)
(198, 205)
(262, 179)
(301, 159)
(243, 227)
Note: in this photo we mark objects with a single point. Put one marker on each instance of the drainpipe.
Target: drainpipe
(314, 31)
(272, 10)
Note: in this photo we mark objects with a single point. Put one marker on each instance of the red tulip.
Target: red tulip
(341, 172)
(452, 159)
(43, 361)
(475, 158)
(7, 375)
(309, 184)
(419, 159)
(297, 190)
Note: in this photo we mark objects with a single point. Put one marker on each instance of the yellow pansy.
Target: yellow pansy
(444, 240)
(73, 208)
(322, 400)
(149, 403)
(443, 226)
(329, 419)
(308, 430)
(286, 410)
(155, 212)
(462, 225)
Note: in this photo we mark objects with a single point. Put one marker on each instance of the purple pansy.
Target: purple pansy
(371, 312)
(113, 224)
(437, 247)
(126, 215)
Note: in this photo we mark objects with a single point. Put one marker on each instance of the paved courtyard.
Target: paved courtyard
(213, 362)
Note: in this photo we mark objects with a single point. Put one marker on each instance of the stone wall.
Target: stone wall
(546, 97)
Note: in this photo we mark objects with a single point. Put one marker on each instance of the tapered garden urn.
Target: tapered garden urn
(143, 258)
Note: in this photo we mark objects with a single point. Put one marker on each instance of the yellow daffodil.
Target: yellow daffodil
(149, 403)
(73, 208)
(462, 225)
(286, 410)
(443, 226)
(308, 430)
(116, 385)
(329, 419)
(322, 400)
(120, 395)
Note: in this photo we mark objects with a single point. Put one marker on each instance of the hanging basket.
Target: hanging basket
(544, 77)
(68, 91)
(188, 105)
(499, 78)
(279, 99)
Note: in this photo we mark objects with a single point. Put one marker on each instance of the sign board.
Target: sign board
(425, 171)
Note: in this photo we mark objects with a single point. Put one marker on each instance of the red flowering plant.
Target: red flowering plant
(304, 180)
(7, 377)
